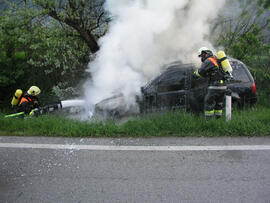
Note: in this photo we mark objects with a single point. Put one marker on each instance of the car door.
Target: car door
(171, 89)
(242, 85)
(197, 92)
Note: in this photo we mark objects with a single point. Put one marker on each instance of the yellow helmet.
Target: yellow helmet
(203, 49)
(34, 91)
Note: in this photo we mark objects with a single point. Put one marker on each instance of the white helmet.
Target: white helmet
(203, 49)
(34, 91)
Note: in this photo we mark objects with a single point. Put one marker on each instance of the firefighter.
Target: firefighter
(29, 101)
(211, 69)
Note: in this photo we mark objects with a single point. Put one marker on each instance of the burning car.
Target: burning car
(114, 107)
(176, 88)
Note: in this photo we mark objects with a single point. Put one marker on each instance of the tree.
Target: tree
(38, 49)
(87, 17)
(243, 38)
(264, 3)
(13, 59)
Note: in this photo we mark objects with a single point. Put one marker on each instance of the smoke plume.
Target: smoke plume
(144, 35)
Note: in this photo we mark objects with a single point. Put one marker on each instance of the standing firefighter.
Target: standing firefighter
(210, 68)
(29, 100)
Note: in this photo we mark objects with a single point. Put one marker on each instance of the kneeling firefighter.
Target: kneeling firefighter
(211, 69)
(29, 100)
(28, 104)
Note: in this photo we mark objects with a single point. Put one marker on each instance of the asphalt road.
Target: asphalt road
(99, 170)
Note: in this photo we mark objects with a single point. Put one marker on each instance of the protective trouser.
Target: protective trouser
(214, 101)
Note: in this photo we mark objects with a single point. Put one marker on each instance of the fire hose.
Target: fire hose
(50, 108)
(38, 111)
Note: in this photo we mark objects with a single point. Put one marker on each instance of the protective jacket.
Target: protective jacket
(210, 68)
(27, 103)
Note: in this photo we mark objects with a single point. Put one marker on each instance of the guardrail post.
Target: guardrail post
(228, 105)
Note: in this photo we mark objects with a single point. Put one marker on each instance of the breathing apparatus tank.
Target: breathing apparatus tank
(16, 97)
(226, 66)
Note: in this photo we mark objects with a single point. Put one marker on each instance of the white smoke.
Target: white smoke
(144, 35)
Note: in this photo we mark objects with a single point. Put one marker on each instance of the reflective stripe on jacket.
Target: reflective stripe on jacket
(218, 87)
(24, 99)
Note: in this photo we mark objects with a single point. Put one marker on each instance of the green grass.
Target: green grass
(250, 122)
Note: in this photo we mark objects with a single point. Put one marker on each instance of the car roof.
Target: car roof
(178, 65)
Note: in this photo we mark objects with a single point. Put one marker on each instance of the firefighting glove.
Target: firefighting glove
(34, 112)
(196, 74)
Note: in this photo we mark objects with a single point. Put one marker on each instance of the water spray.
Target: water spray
(72, 103)
(58, 106)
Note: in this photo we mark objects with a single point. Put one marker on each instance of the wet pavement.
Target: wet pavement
(72, 175)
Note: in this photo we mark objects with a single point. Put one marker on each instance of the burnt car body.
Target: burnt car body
(114, 107)
(176, 88)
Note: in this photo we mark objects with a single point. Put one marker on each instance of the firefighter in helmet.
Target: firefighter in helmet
(29, 100)
(211, 69)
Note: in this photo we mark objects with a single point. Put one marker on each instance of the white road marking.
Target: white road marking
(136, 148)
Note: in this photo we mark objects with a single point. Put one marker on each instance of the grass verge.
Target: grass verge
(251, 122)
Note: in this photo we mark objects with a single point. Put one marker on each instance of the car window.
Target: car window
(239, 72)
(172, 80)
(151, 86)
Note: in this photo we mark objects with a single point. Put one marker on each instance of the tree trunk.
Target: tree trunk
(84, 33)
(89, 39)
